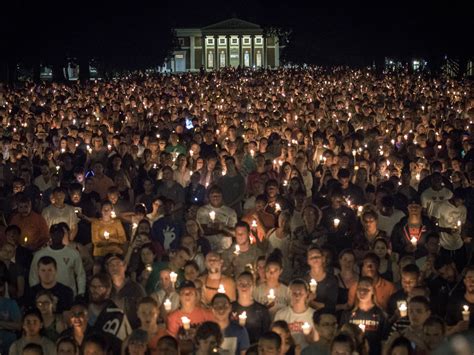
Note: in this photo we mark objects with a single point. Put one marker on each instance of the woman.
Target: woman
(182, 175)
(368, 316)
(194, 230)
(156, 211)
(147, 260)
(125, 190)
(53, 324)
(141, 237)
(108, 234)
(259, 268)
(388, 269)
(347, 275)
(78, 319)
(279, 295)
(258, 316)
(190, 243)
(32, 326)
(279, 238)
(288, 346)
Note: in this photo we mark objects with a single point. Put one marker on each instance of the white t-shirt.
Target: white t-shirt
(225, 216)
(448, 216)
(295, 322)
(386, 223)
(54, 215)
(431, 198)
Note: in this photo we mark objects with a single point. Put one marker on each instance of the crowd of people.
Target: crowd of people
(292, 211)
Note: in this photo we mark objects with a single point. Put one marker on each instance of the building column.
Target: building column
(192, 54)
(264, 54)
(204, 54)
(241, 52)
(252, 51)
(227, 62)
(216, 54)
(277, 52)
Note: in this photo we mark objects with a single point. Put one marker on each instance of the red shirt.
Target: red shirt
(198, 316)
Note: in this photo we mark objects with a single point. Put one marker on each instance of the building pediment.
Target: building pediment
(232, 26)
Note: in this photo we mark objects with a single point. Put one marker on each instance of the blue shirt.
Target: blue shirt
(236, 339)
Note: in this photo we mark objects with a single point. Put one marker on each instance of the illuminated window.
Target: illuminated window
(210, 59)
(258, 40)
(246, 58)
(246, 40)
(258, 58)
(210, 41)
(222, 59)
(222, 41)
(234, 41)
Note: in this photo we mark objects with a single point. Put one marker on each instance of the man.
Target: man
(217, 220)
(70, 268)
(233, 186)
(172, 190)
(269, 344)
(167, 230)
(444, 285)
(325, 323)
(298, 312)
(125, 293)
(409, 235)
(59, 212)
(451, 217)
(44, 181)
(242, 253)
(236, 339)
(100, 182)
(351, 192)
(34, 229)
(47, 273)
(434, 333)
(148, 195)
(383, 288)
(389, 216)
(435, 195)
(410, 276)
(460, 303)
(214, 279)
(189, 308)
(104, 315)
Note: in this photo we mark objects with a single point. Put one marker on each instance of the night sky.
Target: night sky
(135, 33)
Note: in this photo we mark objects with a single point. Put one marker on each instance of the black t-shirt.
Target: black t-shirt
(63, 293)
(455, 308)
(258, 319)
(327, 290)
(376, 326)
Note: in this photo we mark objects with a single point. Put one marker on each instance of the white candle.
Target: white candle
(277, 207)
(167, 305)
(336, 222)
(403, 309)
(414, 241)
(271, 295)
(212, 216)
(254, 224)
(173, 277)
(237, 249)
(466, 314)
(186, 322)
(149, 268)
(362, 327)
(252, 152)
(113, 214)
(106, 235)
(58, 167)
(109, 147)
(243, 318)
(459, 224)
(285, 182)
(313, 284)
(306, 328)
(221, 289)
(191, 152)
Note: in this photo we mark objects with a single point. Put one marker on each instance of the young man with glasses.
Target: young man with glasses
(325, 323)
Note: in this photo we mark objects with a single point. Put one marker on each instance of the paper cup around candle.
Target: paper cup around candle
(306, 328)
(466, 314)
(167, 305)
(173, 277)
(221, 289)
(243, 319)
(186, 322)
(403, 309)
(106, 235)
(313, 284)
(337, 221)
(414, 241)
(271, 295)
(212, 216)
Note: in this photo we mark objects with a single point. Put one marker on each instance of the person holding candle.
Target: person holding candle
(367, 313)
(218, 230)
(460, 309)
(451, 216)
(325, 324)
(236, 339)
(410, 279)
(108, 234)
(279, 238)
(259, 220)
(258, 317)
(325, 284)
(208, 338)
(279, 299)
(242, 253)
(298, 312)
(214, 278)
(364, 241)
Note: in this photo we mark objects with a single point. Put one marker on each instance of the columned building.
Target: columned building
(230, 43)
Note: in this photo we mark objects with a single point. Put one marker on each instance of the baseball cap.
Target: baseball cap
(138, 336)
(186, 284)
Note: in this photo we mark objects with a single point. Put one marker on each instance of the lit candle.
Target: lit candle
(243, 318)
(466, 314)
(186, 322)
(277, 207)
(106, 235)
(173, 277)
(221, 289)
(414, 241)
(237, 249)
(252, 152)
(459, 224)
(25, 240)
(191, 152)
(271, 295)
(109, 146)
(362, 327)
(149, 268)
(212, 216)
(285, 182)
(418, 176)
(167, 305)
(306, 328)
(360, 209)
(254, 224)
(113, 214)
(403, 309)
(313, 284)
(57, 167)
(336, 222)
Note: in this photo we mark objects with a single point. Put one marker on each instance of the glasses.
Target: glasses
(43, 303)
(97, 287)
(244, 284)
(78, 314)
